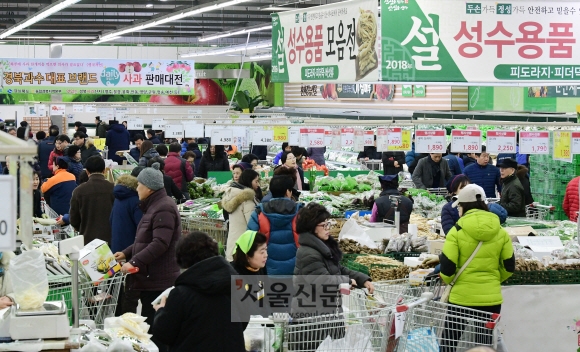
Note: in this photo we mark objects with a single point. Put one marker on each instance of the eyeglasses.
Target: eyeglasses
(326, 225)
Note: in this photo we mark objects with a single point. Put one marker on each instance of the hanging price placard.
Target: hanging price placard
(303, 138)
(405, 143)
(294, 136)
(336, 139)
(575, 143)
(174, 131)
(192, 130)
(316, 137)
(382, 140)
(135, 124)
(328, 137)
(369, 138)
(501, 142)
(221, 137)
(263, 137)
(430, 141)
(563, 146)
(359, 140)
(280, 134)
(156, 124)
(534, 142)
(395, 136)
(466, 141)
(347, 137)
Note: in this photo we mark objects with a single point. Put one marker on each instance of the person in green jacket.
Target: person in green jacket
(479, 285)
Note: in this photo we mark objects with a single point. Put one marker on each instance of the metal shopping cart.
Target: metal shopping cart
(538, 211)
(60, 232)
(371, 165)
(215, 228)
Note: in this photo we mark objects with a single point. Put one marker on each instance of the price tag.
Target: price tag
(369, 138)
(399, 319)
(563, 146)
(466, 141)
(221, 137)
(294, 136)
(280, 134)
(156, 124)
(328, 137)
(336, 139)
(347, 137)
(501, 142)
(174, 131)
(316, 137)
(575, 143)
(382, 140)
(405, 142)
(430, 141)
(395, 136)
(192, 130)
(8, 212)
(534, 142)
(263, 137)
(135, 124)
(303, 138)
(359, 139)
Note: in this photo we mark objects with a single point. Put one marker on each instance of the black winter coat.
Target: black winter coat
(197, 315)
(513, 196)
(371, 153)
(209, 163)
(389, 159)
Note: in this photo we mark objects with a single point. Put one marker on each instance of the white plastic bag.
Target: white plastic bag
(352, 230)
(119, 345)
(29, 279)
(356, 338)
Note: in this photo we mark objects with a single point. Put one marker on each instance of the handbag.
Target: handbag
(447, 291)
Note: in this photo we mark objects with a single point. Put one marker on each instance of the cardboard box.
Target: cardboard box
(417, 277)
(97, 260)
(435, 246)
(516, 231)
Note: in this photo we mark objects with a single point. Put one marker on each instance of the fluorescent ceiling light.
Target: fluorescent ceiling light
(31, 37)
(42, 14)
(230, 49)
(260, 57)
(276, 8)
(149, 5)
(80, 38)
(195, 10)
(235, 32)
(102, 41)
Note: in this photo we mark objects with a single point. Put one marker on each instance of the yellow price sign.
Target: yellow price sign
(405, 142)
(563, 145)
(99, 143)
(280, 134)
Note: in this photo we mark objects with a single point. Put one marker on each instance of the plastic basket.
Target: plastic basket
(59, 287)
(352, 265)
(564, 277)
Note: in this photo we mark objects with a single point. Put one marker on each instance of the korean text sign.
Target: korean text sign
(336, 42)
(92, 76)
(443, 40)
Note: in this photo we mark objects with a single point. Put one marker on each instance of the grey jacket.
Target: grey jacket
(423, 174)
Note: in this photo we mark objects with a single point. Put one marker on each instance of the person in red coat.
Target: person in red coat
(178, 169)
(571, 203)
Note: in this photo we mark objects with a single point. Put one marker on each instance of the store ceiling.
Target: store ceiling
(86, 20)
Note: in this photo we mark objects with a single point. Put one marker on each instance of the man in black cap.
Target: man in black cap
(383, 208)
(512, 193)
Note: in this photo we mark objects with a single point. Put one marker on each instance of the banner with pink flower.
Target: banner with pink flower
(56, 76)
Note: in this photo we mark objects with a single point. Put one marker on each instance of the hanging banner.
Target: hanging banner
(263, 137)
(135, 124)
(280, 134)
(405, 143)
(430, 141)
(443, 40)
(466, 141)
(156, 124)
(294, 136)
(174, 131)
(221, 137)
(575, 143)
(335, 42)
(500, 142)
(562, 149)
(534, 142)
(347, 137)
(96, 76)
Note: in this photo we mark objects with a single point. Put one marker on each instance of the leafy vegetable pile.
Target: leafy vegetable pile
(201, 190)
(414, 192)
(360, 183)
(426, 204)
(566, 230)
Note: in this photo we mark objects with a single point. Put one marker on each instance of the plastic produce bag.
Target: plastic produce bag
(120, 346)
(356, 338)
(422, 340)
(352, 230)
(29, 279)
(93, 346)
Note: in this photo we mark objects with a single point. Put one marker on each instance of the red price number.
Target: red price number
(539, 148)
(316, 142)
(394, 141)
(435, 147)
(470, 147)
(505, 148)
(349, 142)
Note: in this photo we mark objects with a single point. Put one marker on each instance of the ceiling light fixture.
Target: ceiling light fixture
(73, 38)
(149, 5)
(29, 37)
(276, 8)
(192, 11)
(279, 7)
(40, 15)
(230, 49)
(235, 32)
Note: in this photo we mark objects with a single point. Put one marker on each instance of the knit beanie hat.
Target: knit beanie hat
(151, 177)
(137, 170)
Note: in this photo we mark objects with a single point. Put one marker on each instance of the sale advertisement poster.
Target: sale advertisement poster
(479, 41)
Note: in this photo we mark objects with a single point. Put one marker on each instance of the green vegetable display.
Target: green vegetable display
(200, 190)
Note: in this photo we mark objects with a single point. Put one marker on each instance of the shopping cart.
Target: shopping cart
(60, 232)
(97, 300)
(538, 211)
(371, 165)
(215, 228)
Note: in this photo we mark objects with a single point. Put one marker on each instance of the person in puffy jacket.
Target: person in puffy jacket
(431, 172)
(454, 161)
(214, 159)
(45, 148)
(513, 197)
(484, 174)
(383, 208)
(152, 137)
(276, 219)
(285, 148)
(479, 285)
(317, 154)
(449, 214)
(118, 138)
(194, 147)
(73, 159)
(523, 175)
(178, 169)
(411, 154)
(393, 162)
(239, 200)
(571, 203)
(101, 127)
(147, 153)
(126, 213)
(135, 152)
(60, 144)
(59, 188)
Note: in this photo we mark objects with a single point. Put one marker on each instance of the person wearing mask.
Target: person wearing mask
(214, 159)
(136, 151)
(178, 169)
(170, 187)
(92, 202)
(101, 128)
(523, 175)
(383, 208)
(317, 154)
(153, 253)
(289, 160)
(370, 152)
(152, 137)
(126, 214)
(261, 151)
(484, 174)
(147, 153)
(36, 195)
(513, 197)
(411, 155)
(59, 188)
(60, 145)
(45, 148)
(477, 234)
(73, 159)
(285, 148)
(469, 159)
(162, 150)
(239, 200)
(200, 302)
(454, 161)
(276, 220)
(118, 138)
(194, 147)
(393, 162)
(431, 172)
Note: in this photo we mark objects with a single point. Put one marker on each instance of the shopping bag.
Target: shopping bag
(422, 340)
(356, 338)
(352, 230)
(29, 279)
